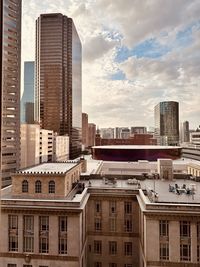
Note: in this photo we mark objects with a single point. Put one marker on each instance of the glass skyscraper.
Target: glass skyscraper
(166, 116)
(58, 95)
(10, 56)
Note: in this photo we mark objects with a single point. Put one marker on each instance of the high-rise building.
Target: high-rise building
(10, 56)
(166, 115)
(27, 100)
(91, 134)
(185, 132)
(85, 129)
(58, 99)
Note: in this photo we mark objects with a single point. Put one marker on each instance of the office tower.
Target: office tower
(185, 132)
(27, 100)
(85, 129)
(10, 55)
(58, 100)
(166, 115)
(138, 130)
(91, 134)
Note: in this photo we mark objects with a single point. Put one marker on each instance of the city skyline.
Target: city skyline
(133, 58)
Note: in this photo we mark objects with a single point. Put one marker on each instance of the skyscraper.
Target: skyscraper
(10, 56)
(85, 129)
(166, 116)
(58, 100)
(185, 132)
(27, 101)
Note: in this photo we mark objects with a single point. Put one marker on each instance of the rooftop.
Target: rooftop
(58, 167)
(136, 147)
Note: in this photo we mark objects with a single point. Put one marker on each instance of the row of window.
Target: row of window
(128, 224)
(28, 234)
(38, 186)
(111, 264)
(185, 252)
(128, 248)
(24, 265)
(113, 207)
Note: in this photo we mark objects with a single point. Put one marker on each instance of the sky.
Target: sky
(136, 53)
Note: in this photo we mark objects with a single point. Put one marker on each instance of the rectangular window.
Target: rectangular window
(128, 249)
(27, 265)
(164, 251)
(112, 247)
(97, 246)
(164, 228)
(128, 225)
(97, 264)
(128, 265)
(112, 264)
(28, 233)
(112, 222)
(184, 229)
(198, 230)
(185, 252)
(43, 234)
(62, 247)
(13, 232)
(11, 265)
(127, 207)
(198, 253)
(98, 206)
(112, 208)
(97, 224)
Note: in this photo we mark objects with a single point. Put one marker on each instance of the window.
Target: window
(97, 264)
(128, 225)
(62, 247)
(97, 206)
(112, 247)
(184, 229)
(97, 224)
(112, 208)
(164, 228)
(28, 233)
(128, 248)
(38, 186)
(43, 234)
(198, 230)
(112, 264)
(128, 265)
(185, 252)
(13, 232)
(27, 265)
(25, 186)
(128, 207)
(97, 246)
(11, 265)
(112, 222)
(198, 253)
(52, 187)
(164, 251)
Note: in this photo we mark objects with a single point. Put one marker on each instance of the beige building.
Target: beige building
(40, 145)
(84, 130)
(91, 134)
(49, 220)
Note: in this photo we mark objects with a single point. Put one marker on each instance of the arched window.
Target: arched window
(38, 186)
(52, 187)
(25, 186)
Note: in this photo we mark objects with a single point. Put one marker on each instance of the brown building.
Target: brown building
(85, 129)
(91, 134)
(58, 100)
(137, 139)
(10, 56)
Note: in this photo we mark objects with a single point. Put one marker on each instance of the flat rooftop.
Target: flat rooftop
(136, 147)
(57, 167)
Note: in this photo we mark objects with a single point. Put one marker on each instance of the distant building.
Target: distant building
(27, 100)
(107, 133)
(125, 133)
(166, 115)
(117, 133)
(91, 134)
(84, 130)
(58, 98)
(10, 66)
(185, 132)
(138, 130)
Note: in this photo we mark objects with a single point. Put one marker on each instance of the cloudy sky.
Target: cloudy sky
(136, 53)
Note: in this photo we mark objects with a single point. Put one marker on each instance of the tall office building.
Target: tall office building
(166, 115)
(27, 100)
(85, 129)
(185, 132)
(91, 134)
(58, 99)
(10, 56)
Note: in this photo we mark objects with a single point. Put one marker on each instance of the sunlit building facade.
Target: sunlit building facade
(10, 56)
(58, 98)
(166, 116)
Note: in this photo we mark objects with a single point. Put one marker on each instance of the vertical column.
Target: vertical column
(193, 242)
(36, 234)
(174, 241)
(152, 237)
(20, 233)
(53, 235)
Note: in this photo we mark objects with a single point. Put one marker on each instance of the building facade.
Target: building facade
(27, 100)
(91, 134)
(185, 132)
(58, 98)
(166, 116)
(10, 54)
(85, 130)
